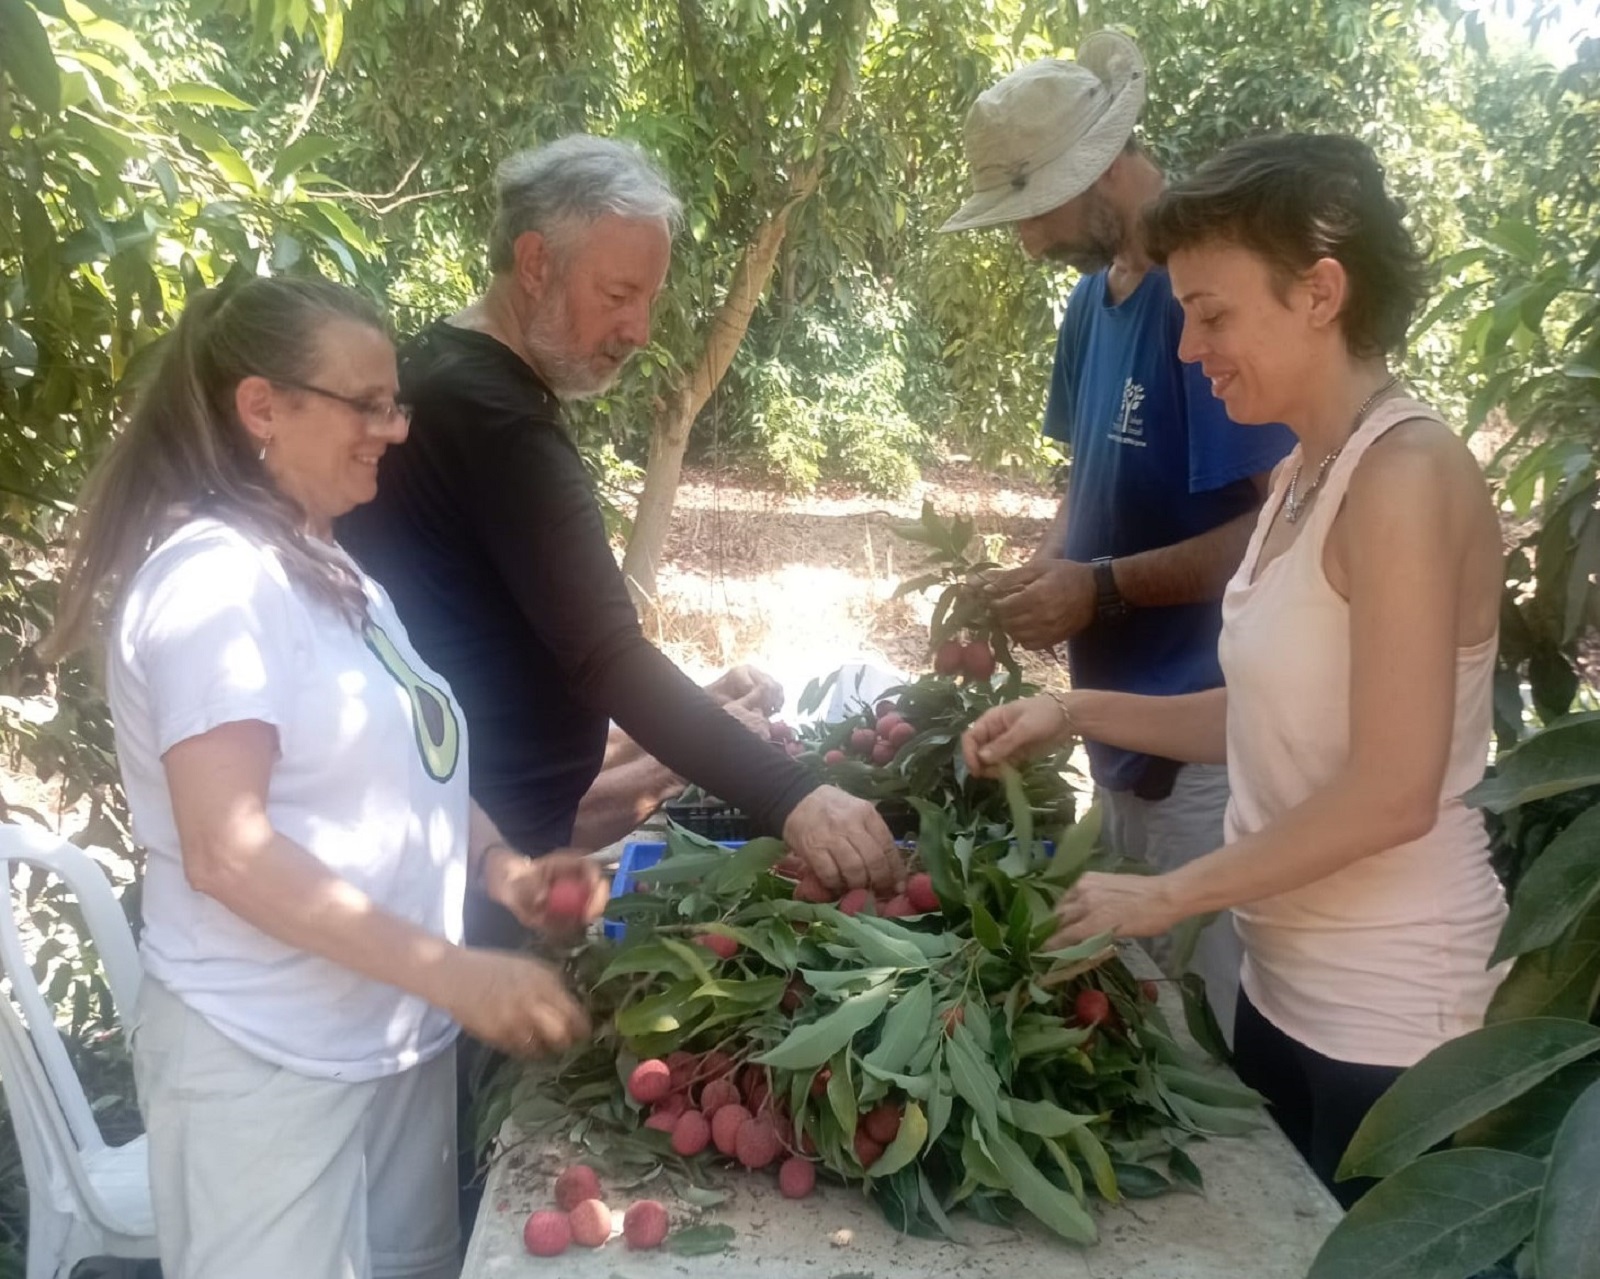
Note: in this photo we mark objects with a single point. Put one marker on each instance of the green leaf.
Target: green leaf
(1563, 981)
(661, 1013)
(1566, 1238)
(1042, 1118)
(875, 946)
(1214, 1089)
(1447, 1215)
(1562, 757)
(1562, 883)
(1075, 848)
(904, 1029)
(986, 930)
(933, 848)
(1038, 1194)
(194, 94)
(907, 1143)
(1094, 1154)
(1528, 1124)
(842, 1095)
(26, 55)
(807, 1047)
(650, 957)
(1513, 236)
(1458, 1082)
(940, 1105)
(973, 1077)
(1017, 802)
(301, 153)
(701, 1241)
(1200, 1018)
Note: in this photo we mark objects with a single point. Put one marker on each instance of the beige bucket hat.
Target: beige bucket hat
(1044, 134)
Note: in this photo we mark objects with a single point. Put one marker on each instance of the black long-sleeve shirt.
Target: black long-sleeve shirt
(487, 535)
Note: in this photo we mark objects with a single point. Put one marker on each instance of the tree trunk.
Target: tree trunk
(675, 415)
(673, 418)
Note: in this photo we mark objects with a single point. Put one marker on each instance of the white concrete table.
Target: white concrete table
(1263, 1216)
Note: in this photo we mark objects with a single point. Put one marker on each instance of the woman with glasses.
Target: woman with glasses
(298, 777)
(1358, 646)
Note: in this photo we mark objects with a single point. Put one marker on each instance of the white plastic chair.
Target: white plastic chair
(85, 1198)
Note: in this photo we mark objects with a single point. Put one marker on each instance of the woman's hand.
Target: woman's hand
(1123, 905)
(1013, 732)
(523, 885)
(514, 1002)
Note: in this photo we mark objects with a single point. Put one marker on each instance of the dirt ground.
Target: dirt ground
(800, 585)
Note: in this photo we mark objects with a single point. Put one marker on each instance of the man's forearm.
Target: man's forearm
(621, 799)
(1193, 571)
(1054, 545)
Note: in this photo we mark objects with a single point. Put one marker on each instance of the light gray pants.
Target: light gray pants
(257, 1172)
(1165, 834)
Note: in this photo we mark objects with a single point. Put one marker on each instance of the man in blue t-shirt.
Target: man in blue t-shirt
(1164, 488)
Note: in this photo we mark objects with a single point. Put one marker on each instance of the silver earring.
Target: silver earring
(262, 456)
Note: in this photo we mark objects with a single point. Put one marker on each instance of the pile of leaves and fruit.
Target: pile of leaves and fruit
(927, 1049)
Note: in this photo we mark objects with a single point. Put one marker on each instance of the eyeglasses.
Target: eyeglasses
(377, 413)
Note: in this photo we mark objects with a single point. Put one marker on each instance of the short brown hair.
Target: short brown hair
(1295, 199)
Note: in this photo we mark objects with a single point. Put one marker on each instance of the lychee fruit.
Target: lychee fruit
(757, 1144)
(725, 1125)
(868, 1152)
(919, 892)
(791, 749)
(897, 907)
(575, 1184)
(591, 1223)
(720, 946)
(977, 660)
(887, 723)
(812, 889)
(645, 1224)
(863, 740)
(692, 1134)
(672, 1105)
(716, 1064)
(882, 1122)
(1150, 991)
(855, 901)
(882, 752)
(682, 1065)
(796, 1178)
(1091, 1007)
(819, 1082)
(885, 707)
(947, 658)
(663, 1121)
(567, 900)
(547, 1233)
(833, 757)
(717, 1094)
(794, 994)
(650, 1081)
(952, 1017)
(900, 734)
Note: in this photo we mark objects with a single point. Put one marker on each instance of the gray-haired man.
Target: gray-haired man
(487, 535)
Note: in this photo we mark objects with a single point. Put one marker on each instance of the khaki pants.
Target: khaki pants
(1168, 833)
(257, 1172)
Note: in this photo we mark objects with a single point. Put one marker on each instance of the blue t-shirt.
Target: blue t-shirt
(1155, 460)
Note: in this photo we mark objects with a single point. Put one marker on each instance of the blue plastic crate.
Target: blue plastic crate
(636, 856)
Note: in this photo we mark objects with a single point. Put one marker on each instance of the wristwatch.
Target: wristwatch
(1109, 606)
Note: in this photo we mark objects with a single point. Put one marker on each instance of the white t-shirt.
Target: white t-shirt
(371, 779)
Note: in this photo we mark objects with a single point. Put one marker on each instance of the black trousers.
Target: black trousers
(1317, 1101)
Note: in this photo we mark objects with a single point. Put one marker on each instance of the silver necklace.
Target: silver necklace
(1294, 504)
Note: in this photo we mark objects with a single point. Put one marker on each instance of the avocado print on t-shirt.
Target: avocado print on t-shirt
(433, 715)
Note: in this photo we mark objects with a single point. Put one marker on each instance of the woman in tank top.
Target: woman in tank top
(1358, 647)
